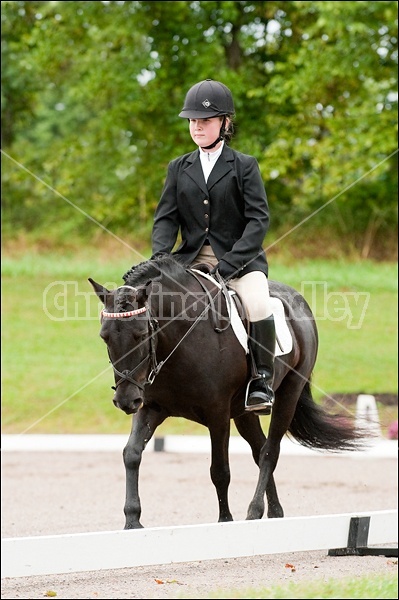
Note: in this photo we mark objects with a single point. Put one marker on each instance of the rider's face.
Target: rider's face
(205, 131)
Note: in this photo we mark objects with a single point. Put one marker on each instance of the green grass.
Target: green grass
(381, 586)
(56, 376)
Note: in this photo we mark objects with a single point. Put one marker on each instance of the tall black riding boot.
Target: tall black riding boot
(262, 342)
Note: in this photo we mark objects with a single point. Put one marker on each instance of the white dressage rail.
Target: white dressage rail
(46, 555)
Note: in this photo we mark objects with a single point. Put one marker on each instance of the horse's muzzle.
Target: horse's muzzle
(128, 406)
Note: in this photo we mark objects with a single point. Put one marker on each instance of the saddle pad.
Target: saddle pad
(283, 335)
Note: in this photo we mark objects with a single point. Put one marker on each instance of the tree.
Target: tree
(92, 92)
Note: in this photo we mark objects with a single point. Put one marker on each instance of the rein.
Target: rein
(153, 325)
(211, 299)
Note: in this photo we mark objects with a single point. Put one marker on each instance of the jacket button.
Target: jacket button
(206, 228)
(206, 201)
(206, 216)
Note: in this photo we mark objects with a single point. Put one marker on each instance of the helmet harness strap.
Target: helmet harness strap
(220, 138)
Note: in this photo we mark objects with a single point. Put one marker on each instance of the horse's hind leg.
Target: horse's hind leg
(145, 423)
(249, 427)
(220, 469)
(283, 411)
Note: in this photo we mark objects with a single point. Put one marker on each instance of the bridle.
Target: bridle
(153, 327)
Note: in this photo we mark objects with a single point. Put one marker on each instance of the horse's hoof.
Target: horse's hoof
(274, 510)
(252, 518)
(275, 515)
(133, 526)
(254, 515)
(227, 519)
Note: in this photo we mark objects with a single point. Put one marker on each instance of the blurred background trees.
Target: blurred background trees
(91, 93)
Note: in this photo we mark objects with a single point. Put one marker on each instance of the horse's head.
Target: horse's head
(127, 328)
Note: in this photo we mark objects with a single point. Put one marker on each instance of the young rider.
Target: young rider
(215, 198)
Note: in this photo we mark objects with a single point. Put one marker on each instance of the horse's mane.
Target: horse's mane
(153, 269)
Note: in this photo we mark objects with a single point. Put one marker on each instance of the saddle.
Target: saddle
(237, 315)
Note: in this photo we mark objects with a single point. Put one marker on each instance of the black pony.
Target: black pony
(174, 354)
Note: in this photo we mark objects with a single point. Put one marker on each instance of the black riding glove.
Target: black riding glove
(226, 270)
(159, 254)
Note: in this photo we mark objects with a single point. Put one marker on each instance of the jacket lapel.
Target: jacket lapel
(194, 170)
(223, 165)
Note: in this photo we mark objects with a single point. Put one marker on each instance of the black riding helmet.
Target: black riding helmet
(208, 99)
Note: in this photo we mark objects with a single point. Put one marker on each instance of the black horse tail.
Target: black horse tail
(313, 427)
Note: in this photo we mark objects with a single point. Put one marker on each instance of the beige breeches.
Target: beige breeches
(253, 288)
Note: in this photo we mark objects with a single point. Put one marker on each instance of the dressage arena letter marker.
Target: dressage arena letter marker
(367, 414)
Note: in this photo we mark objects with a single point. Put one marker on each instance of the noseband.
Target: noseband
(127, 375)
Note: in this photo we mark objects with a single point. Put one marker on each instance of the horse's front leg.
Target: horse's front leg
(220, 468)
(144, 424)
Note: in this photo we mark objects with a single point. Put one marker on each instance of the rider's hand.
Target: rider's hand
(225, 269)
(159, 254)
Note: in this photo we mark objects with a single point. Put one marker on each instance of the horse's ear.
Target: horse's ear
(142, 296)
(100, 290)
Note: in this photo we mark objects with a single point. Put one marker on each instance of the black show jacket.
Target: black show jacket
(230, 211)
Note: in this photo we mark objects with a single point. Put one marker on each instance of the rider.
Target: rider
(216, 199)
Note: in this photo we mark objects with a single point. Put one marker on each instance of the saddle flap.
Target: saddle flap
(240, 323)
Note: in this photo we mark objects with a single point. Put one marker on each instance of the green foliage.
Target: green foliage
(56, 376)
(337, 140)
(380, 586)
(91, 92)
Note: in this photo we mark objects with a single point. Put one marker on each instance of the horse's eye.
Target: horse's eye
(140, 338)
